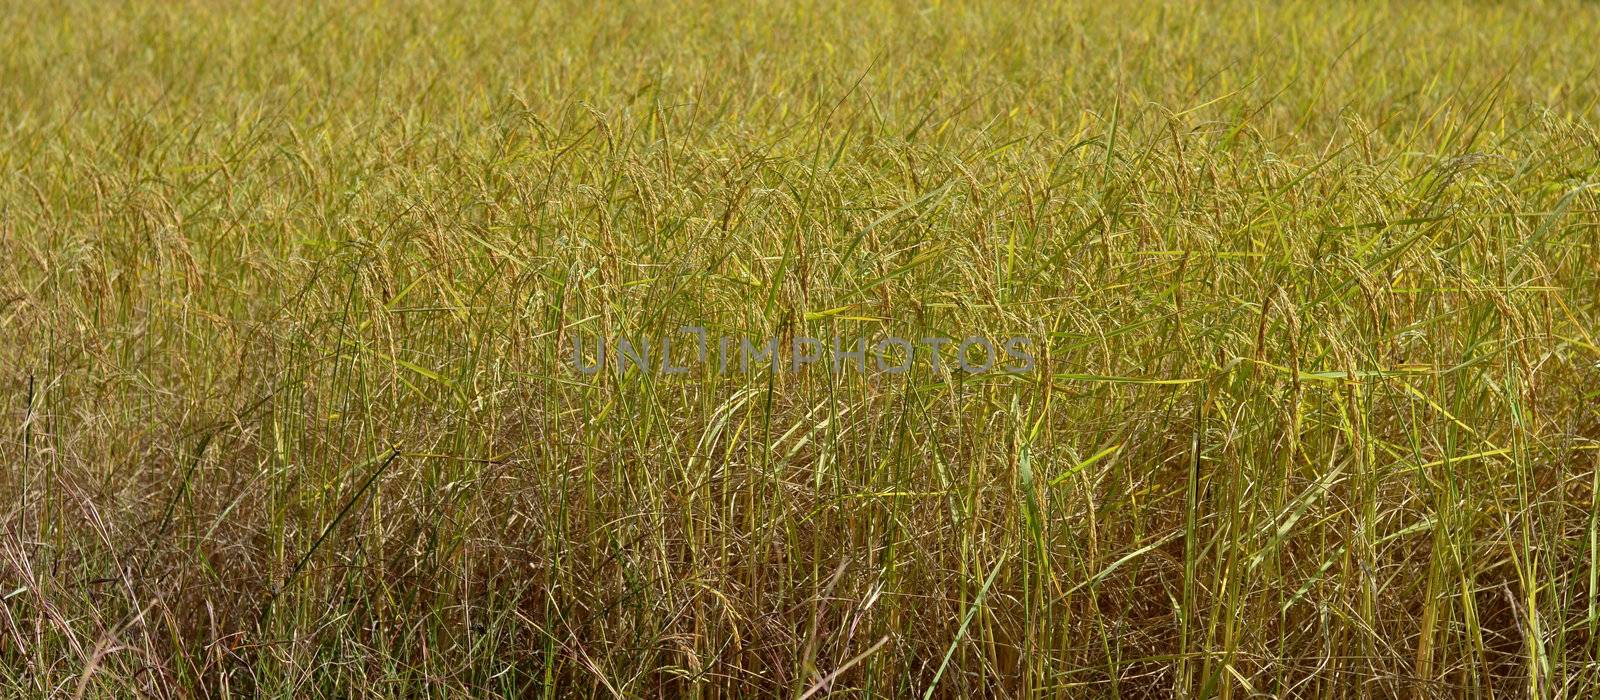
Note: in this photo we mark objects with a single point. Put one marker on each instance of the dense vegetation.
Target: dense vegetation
(288, 299)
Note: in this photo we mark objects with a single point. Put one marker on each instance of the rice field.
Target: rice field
(302, 309)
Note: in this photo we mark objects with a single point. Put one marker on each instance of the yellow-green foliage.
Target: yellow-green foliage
(288, 295)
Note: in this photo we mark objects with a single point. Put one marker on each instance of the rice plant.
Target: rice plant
(302, 308)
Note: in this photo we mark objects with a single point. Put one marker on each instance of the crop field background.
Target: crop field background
(289, 296)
